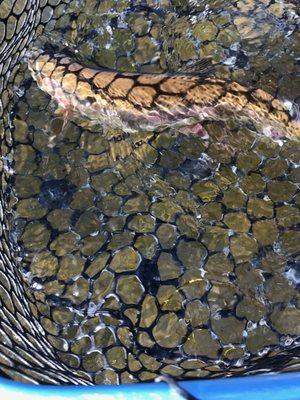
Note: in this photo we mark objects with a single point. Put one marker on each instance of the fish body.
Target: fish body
(133, 102)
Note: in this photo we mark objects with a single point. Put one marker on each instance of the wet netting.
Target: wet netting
(125, 256)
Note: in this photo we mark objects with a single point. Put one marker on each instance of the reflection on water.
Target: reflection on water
(176, 255)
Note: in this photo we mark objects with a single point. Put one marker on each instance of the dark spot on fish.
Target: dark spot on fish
(91, 99)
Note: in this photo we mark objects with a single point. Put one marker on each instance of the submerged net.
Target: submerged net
(178, 258)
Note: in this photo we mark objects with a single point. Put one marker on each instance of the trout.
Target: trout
(133, 102)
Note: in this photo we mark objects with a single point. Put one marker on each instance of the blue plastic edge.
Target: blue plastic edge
(284, 386)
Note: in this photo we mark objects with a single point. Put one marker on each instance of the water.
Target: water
(172, 256)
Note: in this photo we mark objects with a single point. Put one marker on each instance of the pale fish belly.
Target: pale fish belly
(133, 121)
